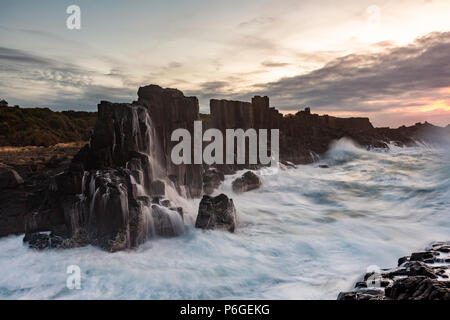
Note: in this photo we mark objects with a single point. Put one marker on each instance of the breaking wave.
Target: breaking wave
(306, 234)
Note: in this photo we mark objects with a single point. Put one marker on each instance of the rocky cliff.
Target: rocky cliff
(119, 189)
(122, 188)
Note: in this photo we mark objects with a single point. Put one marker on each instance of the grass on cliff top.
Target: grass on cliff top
(43, 127)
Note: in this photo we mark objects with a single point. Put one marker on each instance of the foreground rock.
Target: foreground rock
(249, 181)
(421, 276)
(9, 178)
(110, 195)
(217, 213)
(26, 194)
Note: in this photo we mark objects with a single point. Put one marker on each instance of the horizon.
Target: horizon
(283, 113)
(386, 61)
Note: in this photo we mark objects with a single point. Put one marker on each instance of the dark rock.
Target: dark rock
(414, 279)
(9, 178)
(212, 178)
(216, 213)
(419, 288)
(157, 188)
(249, 181)
(402, 260)
(55, 161)
(38, 241)
(364, 294)
(421, 256)
(165, 203)
(41, 241)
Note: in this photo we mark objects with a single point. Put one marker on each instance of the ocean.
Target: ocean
(308, 233)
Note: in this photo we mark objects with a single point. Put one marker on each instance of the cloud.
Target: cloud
(257, 22)
(213, 85)
(13, 55)
(174, 65)
(273, 64)
(352, 82)
(31, 80)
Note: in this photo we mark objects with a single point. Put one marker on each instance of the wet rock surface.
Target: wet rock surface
(28, 192)
(247, 182)
(113, 194)
(217, 213)
(420, 276)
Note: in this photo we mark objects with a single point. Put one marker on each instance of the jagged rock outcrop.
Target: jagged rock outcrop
(247, 182)
(127, 164)
(217, 213)
(107, 197)
(421, 276)
(169, 110)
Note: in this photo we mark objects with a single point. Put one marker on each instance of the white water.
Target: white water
(307, 234)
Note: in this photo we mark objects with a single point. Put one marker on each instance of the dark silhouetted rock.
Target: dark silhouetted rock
(212, 178)
(421, 256)
(417, 278)
(419, 288)
(217, 213)
(249, 181)
(9, 178)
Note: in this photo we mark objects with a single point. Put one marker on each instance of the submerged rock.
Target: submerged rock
(249, 181)
(217, 213)
(421, 276)
(41, 241)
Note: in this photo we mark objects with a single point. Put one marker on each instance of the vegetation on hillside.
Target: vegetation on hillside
(43, 127)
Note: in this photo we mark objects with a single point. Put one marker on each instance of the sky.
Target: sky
(388, 60)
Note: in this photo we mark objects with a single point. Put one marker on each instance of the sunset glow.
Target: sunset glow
(298, 53)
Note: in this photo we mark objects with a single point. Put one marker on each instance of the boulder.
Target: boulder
(9, 178)
(217, 213)
(249, 181)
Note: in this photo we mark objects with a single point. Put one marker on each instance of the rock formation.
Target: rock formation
(9, 178)
(110, 195)
(216, 213)
(118, 190)
(421, 276)
(247, 182)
